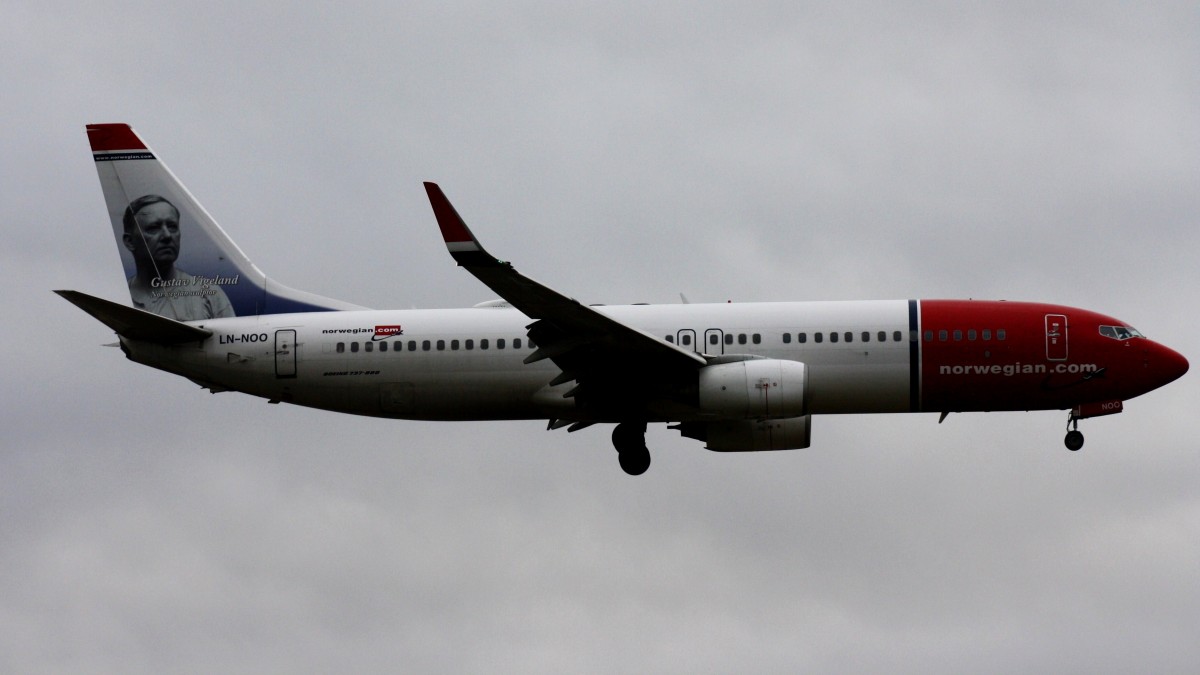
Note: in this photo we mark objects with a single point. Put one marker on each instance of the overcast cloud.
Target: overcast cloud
(620, 152)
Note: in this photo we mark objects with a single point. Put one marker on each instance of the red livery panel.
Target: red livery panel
(111, 137)
(987, 355)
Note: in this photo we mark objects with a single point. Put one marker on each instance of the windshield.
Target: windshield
(1120, 332)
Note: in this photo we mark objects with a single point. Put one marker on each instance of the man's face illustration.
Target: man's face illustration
(158, 238)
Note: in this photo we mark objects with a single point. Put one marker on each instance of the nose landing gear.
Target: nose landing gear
(1074, 439)
(629, 438)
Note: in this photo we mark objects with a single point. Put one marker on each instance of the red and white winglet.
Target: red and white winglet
(461, 243)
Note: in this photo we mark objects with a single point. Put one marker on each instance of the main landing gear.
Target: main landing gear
(629, 438)
(1074, 439)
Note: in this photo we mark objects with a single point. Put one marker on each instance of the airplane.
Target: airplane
(736, 376)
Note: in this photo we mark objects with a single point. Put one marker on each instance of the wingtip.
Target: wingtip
(455, 233)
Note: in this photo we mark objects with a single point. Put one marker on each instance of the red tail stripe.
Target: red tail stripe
(108, 137)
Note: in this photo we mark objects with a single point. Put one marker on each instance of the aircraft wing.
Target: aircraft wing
(598, 351)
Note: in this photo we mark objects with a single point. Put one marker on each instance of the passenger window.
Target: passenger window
(713, 339)
(883, 336)
(341, 347)
(685, 340)
(483, 343)
(818, 337)
(866, 336)
(741, 338)
(987, 334)
(500, 343)
(943, 336)
(801, 337)
(787, 338)
(454, 345)
(958, 336)
(971, 335)
(369, 346)
(849, 336)
(383, 346)
(833, 336)
(412, 345)
(441, 345)
(756, 338)
(729, 338)
(929, 336)
(516, 343)
(1000, 334)
(671, 339)
(354, 347)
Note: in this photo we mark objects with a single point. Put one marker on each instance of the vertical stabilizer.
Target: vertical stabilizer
(178, 262)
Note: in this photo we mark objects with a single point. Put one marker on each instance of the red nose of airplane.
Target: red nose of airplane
(1169, 365)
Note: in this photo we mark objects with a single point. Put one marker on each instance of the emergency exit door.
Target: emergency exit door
(285, 353)
(1056, 337)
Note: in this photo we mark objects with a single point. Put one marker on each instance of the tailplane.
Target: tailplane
(179, 263)
(136, 324)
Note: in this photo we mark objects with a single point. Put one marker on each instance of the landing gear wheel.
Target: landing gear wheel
(634, 462)
(1074, 440)
(629, 438)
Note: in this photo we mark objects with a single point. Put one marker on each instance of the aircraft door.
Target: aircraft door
(714, 341)
(285, 353)
(686, 338)
(1056, 337)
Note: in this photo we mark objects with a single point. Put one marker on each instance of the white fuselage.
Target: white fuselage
(468, 364)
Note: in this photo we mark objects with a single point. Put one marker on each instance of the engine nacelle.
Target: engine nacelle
(754, 389)
(792, 433)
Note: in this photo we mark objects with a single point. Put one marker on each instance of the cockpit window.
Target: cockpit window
(1120, 332)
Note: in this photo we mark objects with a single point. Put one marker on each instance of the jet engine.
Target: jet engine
(754, 389)
(791, 433)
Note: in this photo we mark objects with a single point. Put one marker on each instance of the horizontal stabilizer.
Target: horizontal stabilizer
(135, 324)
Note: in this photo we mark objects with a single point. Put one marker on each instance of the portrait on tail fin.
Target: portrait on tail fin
(178, 261)
(152, 234)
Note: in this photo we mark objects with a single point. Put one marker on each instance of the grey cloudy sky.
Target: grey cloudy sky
(621, 152)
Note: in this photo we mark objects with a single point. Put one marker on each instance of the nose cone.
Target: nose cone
(1168, 364)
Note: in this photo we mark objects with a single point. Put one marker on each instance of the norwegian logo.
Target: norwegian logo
(385, 332)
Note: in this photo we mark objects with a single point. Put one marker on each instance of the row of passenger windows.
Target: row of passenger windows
(468, 344)
(971, 334)
(685, 340)
(846, 336)
(756, 338)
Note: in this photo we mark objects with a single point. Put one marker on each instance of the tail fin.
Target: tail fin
(178, 261)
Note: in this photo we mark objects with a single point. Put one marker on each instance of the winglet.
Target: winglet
(461, 243)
